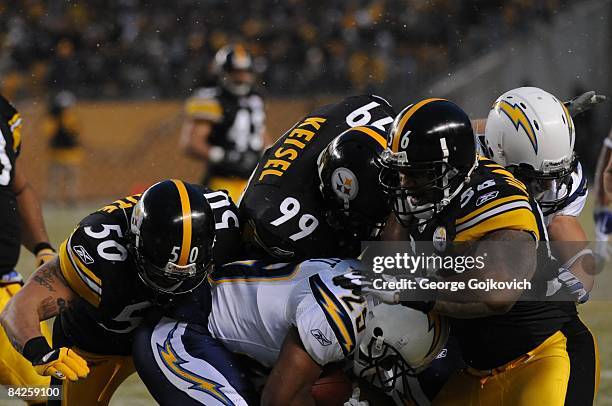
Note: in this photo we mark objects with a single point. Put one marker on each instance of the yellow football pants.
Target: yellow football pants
(14, 368)
(539, 378)
(106, 373)
(233, 186)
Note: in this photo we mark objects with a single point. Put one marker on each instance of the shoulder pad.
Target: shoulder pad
(204, 104)
(227, 246)
(344, 313)
(494, 200)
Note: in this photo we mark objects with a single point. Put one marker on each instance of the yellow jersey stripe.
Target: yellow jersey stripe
(400, 127)
(215, 281)
(204, 109)
(490, 206)
(75, 279)
(521, 219)
(492, 212)
(186, 209)
(376, 136)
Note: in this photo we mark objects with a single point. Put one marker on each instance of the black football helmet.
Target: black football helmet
(234, 66)
(430, 156)
(348, 176)
(171, 237)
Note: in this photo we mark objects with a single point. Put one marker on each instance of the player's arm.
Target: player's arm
(479, 125)
(603, 174)
(34, 235)
(194, 138)
(292, 377)
(501, 265)
(568, 231)
(45, 295)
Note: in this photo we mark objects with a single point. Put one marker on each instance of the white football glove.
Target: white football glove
(361, 284)
(354, 399)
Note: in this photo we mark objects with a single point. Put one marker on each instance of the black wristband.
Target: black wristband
(35, 349)
(41, 246)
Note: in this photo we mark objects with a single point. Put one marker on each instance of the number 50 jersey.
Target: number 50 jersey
(282, 205)
(96, 264)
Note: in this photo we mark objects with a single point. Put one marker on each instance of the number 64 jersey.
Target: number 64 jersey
(282, 205)
(96, 264)
(254, 305)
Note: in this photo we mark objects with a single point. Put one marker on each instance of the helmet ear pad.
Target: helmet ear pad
(348, 180)
(172, 236)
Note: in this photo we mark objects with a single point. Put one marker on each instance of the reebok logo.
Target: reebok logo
(318, 334)
(83, 254)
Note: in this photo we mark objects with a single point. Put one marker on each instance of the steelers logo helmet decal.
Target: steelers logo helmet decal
(439, 238)
(345, 184)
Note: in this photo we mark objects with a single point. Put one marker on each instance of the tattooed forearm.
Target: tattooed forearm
(51, 307)
(14, 341)
(49, 274)
(47, 308)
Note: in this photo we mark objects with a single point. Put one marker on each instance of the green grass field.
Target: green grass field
(60, 223)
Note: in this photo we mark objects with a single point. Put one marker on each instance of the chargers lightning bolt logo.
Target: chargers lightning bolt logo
(174, 364)
(336, 315)
(518, 117)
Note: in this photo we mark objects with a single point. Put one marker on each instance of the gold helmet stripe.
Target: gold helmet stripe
(377, 137)
(570, 122)
(404, 120)
(186, 208)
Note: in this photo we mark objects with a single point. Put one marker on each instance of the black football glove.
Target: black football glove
(586, 101)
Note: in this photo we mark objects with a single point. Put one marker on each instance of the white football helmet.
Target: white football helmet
(531, 132)
(398, 341)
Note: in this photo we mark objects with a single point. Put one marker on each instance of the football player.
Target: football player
(224, 125)
(443, 193)
(291, 320)
(531, 133)
(303, 201)
(21, 222)
(136, 253)
(603, 193)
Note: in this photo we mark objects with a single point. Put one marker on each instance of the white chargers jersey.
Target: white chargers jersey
(576, 199)
(254, 304)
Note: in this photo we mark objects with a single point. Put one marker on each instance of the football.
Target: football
(333, 388)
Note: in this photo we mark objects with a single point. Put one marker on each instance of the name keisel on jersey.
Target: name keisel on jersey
(291, 147)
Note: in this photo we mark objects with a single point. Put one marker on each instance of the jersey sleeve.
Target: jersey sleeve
(497, 202)
(204, 105)
(228, 234)
(79, 267)
(328, 322)
(8, 112)
(578, 195)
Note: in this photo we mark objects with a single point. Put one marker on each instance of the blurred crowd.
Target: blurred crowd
(160, 49)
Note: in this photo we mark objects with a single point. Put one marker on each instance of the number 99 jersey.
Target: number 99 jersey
(283, 209)
(96, 264)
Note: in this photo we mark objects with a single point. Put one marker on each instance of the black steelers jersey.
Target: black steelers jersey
(282, 206)
(10, 146)
(492, 201)
(96, 264)
(238, 125)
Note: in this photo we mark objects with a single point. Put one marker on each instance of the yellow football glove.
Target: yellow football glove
(62, 363)
(44, 255)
